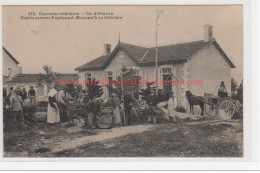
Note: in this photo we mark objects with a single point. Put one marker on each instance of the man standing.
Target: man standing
(83, 97)
(16, 106)
(10, 91)
(24, 94)
(152, 101)
(62, 104)
(32, 95)
(93, 107)
(129, 100)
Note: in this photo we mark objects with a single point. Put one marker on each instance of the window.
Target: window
(9, 71)
(88, 77)
(137, 72)
(110, 77)
(166, 70)
(109, 73)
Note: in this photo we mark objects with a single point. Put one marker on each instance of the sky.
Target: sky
(67, 44)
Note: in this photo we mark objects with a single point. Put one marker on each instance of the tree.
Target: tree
(233, 88)
(93, 89)
(240, 92)
(48, 78)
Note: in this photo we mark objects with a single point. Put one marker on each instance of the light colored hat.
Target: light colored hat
(18, 89)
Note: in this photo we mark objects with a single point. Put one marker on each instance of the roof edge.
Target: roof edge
(224, 54)
(8, 53)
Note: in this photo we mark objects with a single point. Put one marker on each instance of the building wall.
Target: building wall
(9, 63)
(210, 67)
(147, 73)
(115, 66)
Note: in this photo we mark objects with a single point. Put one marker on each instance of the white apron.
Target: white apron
(117, 117)
(171, 106)
(53, 115)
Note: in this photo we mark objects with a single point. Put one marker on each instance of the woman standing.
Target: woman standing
(116, 111)
(53, 110)
(171, 106)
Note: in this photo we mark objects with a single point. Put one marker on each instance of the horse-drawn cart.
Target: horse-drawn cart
(224, 107)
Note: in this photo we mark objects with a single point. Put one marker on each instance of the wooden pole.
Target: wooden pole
(156, 53)
(158, 13)
(123, 96)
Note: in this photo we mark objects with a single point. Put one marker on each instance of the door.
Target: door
(167, 87)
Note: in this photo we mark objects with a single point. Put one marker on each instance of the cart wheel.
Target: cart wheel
(210, 110)
(226, 109)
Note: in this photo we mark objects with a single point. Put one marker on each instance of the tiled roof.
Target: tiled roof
(146, 56)
(174, 52)
(96, 63)
(136, 52)
(36, 77)
(10, 55)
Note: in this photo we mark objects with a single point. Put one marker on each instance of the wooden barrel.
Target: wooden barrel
(106, 118)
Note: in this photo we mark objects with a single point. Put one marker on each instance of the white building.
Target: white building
(202, 60)
(10, 65)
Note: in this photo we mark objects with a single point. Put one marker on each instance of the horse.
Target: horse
(195, 100)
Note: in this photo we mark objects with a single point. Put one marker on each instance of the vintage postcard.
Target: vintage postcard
(122, 81)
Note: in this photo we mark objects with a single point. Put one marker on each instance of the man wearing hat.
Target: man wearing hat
(129, 101)
(32, 95)
(83, 97)
(222, 91)
(62, 103)
(24, 94)
(16, 106)
(10, 91)
(93, 108)
(152, 101)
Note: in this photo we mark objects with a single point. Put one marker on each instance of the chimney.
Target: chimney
(107, 49)
(9, 72)
(208, 33)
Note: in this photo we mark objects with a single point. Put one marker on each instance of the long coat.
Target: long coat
(171, 106)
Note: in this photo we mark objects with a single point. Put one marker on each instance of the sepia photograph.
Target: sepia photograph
(122, 81)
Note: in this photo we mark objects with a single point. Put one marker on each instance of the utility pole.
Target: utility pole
(158, 14)
(123, 96)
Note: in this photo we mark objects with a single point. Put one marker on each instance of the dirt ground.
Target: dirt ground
(201, 138)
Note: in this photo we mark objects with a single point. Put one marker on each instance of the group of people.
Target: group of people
(16, 100)
(130, 105)
(152, 103)
(93, 108)
(58, 101)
